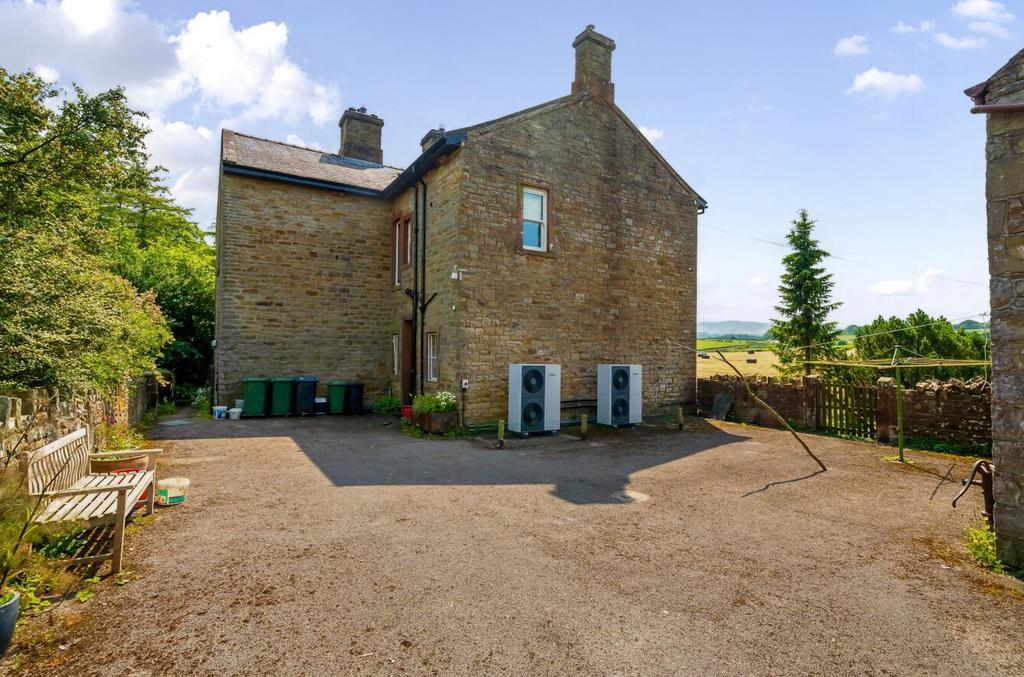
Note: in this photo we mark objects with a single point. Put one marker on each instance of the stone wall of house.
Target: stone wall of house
(952, 412)
(444, 249)
(302, 285)
(1005, 192)
(618, 284)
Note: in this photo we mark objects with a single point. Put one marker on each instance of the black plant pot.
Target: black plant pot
(8, 617)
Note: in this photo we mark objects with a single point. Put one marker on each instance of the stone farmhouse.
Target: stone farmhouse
(557, 234)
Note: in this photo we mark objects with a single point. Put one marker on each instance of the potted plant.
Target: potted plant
(435, 413)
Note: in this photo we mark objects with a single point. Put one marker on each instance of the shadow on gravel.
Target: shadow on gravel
(367, 451)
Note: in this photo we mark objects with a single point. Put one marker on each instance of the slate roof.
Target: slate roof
(253, 152)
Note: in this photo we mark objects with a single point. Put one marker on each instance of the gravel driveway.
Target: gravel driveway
(340, 546)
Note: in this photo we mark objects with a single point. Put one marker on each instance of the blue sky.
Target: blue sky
(853, 111)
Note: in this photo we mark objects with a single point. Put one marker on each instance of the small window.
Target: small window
(535, 219)
(432, 356)
(408, 243)
(396, 258)
(394, 354)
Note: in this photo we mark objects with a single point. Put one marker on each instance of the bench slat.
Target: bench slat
(100, 506)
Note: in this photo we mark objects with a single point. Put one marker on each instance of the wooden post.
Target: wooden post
(119, 519)
(679, 418)
(501, 434)
(583, 426)
(899, 413)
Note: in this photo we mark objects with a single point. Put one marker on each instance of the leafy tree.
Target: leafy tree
(921, 335)
(66, 317)
(805, 293)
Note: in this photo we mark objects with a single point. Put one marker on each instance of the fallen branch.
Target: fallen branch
(776, 414)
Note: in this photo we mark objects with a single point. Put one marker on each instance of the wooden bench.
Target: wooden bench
(60, 474)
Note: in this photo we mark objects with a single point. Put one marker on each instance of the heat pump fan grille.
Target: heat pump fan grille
(533, 416)
(620, 378)
(620, 408)
(533, 381)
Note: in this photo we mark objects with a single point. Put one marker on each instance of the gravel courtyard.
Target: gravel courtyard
(339, 546)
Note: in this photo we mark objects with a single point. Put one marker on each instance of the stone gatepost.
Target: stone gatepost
(885, 409)
(1001, 97)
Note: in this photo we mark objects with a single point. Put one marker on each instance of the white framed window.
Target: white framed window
(395, 345)
(535, 219)
(396, 257)
(432, 356)
(408, 243)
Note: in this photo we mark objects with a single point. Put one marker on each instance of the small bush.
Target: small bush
(981, 543)
(202, 403)
(387, 405)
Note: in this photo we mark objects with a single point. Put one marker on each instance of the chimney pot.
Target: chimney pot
(430, 137)
(360, 135)
(593, 64)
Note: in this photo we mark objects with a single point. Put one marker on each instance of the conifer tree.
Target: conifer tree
(805, 292)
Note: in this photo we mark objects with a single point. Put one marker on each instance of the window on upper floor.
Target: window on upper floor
(535, 219)
(396, 254)
(432, 356)
(408, 243)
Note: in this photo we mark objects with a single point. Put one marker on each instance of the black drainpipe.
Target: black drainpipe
(423, 291)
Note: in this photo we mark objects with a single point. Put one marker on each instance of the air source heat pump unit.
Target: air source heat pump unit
(619, 394)
(534, 397)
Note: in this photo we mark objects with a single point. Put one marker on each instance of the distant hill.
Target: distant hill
(851, 330)
(731, 328)
(971, 325)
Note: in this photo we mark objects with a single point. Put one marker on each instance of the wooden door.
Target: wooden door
(406, 346)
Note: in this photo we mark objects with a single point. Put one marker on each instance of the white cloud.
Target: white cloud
(923, 26)
(990, 27)
(919, 285)
(46, 73)
(986, 10)
(91, 16)
(241, 74)
(884, 84)
(759, 107)
(854, 45)
(966, 42)
(295, 140)
(756, 281)
(652, 133)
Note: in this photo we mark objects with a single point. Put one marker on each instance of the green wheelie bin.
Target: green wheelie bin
(254, 390)
(281, 395)
(336, 397)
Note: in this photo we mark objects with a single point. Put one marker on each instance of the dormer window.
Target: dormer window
(535, 219)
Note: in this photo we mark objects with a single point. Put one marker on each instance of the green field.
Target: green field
(733, 344)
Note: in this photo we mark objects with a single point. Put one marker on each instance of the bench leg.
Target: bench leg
(119, 519)
(151, 498)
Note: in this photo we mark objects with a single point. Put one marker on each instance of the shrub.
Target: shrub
(387, 405)
(201, 401)
(118, 436)
(435, 403)
(981, 543)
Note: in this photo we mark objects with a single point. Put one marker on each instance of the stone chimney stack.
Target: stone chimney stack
(430, 137)
(360, 135)
(593, 64)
